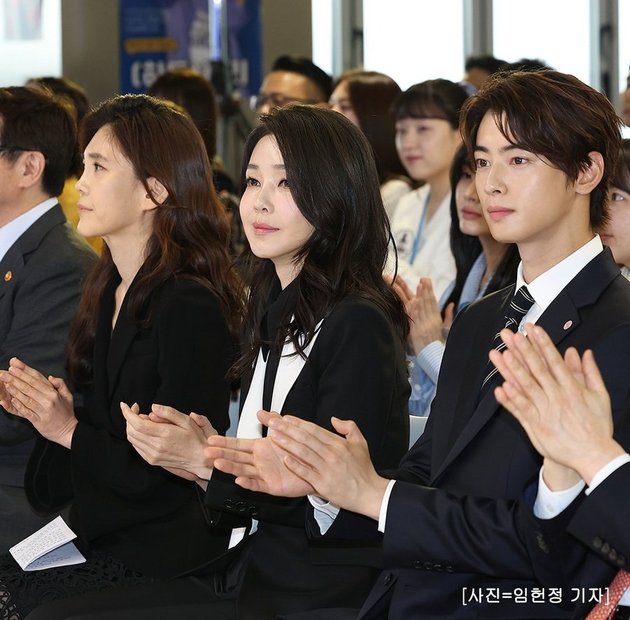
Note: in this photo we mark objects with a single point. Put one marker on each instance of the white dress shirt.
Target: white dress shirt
(11, 232)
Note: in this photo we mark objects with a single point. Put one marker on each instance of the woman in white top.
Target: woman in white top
(616, 231)
(366, 99)
(484, 265)
(427, 138)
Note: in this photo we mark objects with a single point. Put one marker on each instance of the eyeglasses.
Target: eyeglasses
(276, 100)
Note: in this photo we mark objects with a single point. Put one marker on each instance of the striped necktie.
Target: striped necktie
(518, 308)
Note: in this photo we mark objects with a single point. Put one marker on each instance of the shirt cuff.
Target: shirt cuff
(606, 470)
(430, 359)
(550, 504)
(324, 512)
(382, 515)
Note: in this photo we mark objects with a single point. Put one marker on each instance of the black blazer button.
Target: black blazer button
(438, 568)
(621, 560)
(428, 566)
(605, 548)
(229, 504)
(387, 579)
(597, 542)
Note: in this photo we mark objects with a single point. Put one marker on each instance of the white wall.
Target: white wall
(22, 59)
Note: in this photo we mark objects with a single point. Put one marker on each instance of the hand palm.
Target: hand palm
(274, 477)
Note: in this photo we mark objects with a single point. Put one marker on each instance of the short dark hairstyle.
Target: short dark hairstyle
(432, 99)
(73, 95)
(526, 64)
(554, 115)
(621, 176)
(65, 87)
(484, 62)
(372, 95)
(35, 121)
(332, 176)
(193, 92)
(307, 68)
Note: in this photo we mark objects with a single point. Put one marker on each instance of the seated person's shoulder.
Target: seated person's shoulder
(356, 313)
(185, 291)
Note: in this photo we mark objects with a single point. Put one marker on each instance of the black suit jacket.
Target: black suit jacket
(178, 356)
(586, 544)
(40, 286)
(356, 370)
(602, 518)
(454, 520)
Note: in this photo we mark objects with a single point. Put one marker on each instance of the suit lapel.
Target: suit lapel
(10, 268)
(469, 415)
(560, 319)
(14, 260)
(120, 338)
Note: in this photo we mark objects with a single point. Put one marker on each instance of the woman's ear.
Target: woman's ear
(158, 193)
(589, 178)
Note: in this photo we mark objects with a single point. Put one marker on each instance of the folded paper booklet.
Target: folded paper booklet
(48, 547)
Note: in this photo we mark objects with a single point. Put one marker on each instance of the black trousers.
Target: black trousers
(188, 598)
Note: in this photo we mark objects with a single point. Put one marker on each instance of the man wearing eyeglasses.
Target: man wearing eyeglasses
(292, 79)
(42, 263)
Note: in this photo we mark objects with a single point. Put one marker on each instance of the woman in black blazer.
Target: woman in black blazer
(156, 324)
(323, 337)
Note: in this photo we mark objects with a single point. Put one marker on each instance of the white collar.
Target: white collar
(546, 287)
(13, 230)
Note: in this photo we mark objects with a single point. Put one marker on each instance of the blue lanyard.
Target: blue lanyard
(416, 241)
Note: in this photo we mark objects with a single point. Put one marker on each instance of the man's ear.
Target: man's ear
(31, 165)
(589, 178)
(158, 193)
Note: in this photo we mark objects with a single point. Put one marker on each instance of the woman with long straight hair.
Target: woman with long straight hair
(323, 336)
(484, 265)
(157, 322)
(615, 232)
(366, 98)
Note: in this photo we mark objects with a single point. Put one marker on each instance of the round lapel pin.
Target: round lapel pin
(567, 325)
(7, 276)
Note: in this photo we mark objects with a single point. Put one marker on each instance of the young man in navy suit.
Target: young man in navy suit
(452, 516)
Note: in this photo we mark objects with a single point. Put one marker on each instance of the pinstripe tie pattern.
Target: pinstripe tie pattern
(518, 308)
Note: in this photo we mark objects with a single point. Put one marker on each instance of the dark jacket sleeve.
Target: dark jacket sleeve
(39, 300)
(494, 536)
(356, 371)
(180, 360)
(601, 521)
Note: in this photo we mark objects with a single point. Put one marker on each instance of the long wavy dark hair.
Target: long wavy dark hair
(334, 183)
(372, 95)
(466, 248)
(190, 228)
